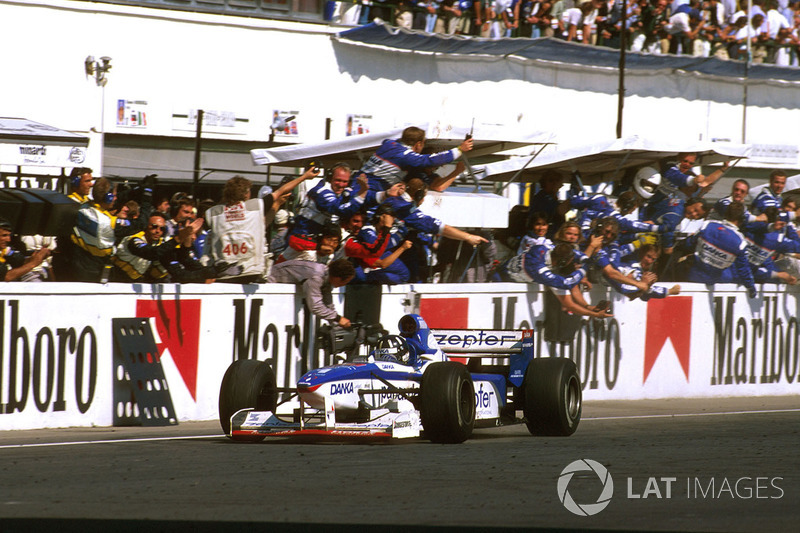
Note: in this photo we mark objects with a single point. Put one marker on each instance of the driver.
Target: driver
(422, 345)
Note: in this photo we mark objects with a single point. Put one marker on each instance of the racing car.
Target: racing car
(407, 387)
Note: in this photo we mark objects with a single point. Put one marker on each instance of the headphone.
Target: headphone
(77, 174)
(329, 172)
(109, 197)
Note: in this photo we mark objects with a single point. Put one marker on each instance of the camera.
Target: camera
(597, 230)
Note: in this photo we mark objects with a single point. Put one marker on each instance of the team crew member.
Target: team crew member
(392, 161)
(648, 255)
(238, 227)
(80, 183)
(764, 242)
(97, 231)
(317, 281)
(680, 179)
(770, 196)
(376, 248)
(721, 252)
(738, 193)
(571, 299)
(608, 260)
(328, 202)
(406, 208)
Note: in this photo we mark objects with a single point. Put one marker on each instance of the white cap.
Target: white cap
(265, 190)
(281, 217)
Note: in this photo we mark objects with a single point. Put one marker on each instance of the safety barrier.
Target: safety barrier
(56, 364)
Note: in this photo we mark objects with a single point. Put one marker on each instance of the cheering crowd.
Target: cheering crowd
(366, 226)
(720, 28)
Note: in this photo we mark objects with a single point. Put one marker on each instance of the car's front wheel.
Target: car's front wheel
(247, 384)
(447, 402)
(553, 397)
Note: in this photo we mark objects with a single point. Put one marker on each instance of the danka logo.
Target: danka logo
(341, 388)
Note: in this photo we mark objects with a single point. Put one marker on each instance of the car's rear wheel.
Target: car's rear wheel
(447, 402)
(553, 397)
(247, 384)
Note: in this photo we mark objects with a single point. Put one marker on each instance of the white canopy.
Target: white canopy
(488, 139)
(607, 160)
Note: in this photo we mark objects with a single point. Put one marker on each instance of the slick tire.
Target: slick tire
(553, 397)
(447, 402)
(247, 384)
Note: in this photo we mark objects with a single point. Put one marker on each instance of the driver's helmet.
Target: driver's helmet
(392, 348)
(646, 182)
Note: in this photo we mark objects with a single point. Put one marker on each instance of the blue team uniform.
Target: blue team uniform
(321, 207)
(392, 161)
(720, 255)
(766, 198)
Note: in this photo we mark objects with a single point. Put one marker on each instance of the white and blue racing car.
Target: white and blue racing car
(408, 387)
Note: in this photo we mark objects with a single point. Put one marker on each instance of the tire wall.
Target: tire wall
(56, 367)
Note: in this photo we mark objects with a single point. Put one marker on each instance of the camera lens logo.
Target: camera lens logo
(585, 509)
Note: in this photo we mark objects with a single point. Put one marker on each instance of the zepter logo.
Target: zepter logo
(586, 509)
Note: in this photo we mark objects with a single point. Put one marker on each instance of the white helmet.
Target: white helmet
(646, 182)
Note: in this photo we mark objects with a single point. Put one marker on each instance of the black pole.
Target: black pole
(623, 42)
(198, 145)
(328, 128)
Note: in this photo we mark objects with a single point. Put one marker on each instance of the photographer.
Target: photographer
(97, 231)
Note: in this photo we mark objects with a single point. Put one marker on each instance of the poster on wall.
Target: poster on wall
(284, 123)
(132, 113)
(358, 124)
(214, 121)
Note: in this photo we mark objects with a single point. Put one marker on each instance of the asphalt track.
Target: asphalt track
(676, 465)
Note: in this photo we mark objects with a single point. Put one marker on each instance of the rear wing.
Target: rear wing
(517, 345)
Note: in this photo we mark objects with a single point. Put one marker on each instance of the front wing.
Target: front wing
(400, 422)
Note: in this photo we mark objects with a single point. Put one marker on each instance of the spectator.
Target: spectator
(317, 281)
(13, 264)
(447, 17)
(683, 28)
(506, 18)
(651, 37)
(80, 184)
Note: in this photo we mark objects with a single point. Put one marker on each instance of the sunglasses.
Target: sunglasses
(156, 226)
